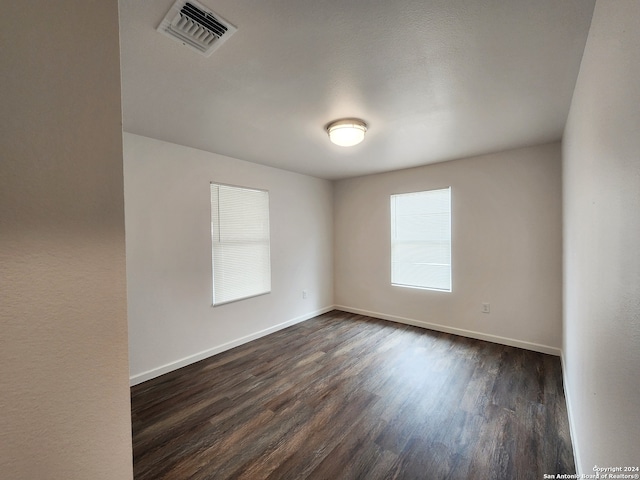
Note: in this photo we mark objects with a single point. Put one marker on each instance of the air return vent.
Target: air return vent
(195, 26)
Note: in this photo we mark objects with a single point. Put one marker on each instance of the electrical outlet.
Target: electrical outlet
(486, 308)
(304, 294)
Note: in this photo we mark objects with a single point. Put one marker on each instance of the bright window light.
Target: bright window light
(240, 243)
(421, 240)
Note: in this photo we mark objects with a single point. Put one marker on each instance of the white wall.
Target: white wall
(168, 223)
(64, 393)
(506, 213)
(601, 150)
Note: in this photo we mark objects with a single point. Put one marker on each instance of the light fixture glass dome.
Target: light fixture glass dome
(347, 132)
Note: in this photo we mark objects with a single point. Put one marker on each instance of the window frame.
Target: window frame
(394, 243)
(266, 242)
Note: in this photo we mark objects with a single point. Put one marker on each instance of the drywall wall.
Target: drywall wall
(168, 223)
(506, 247)
(601, 168)
(64, 396)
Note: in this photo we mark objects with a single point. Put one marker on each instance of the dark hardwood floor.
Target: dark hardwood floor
(344, 396)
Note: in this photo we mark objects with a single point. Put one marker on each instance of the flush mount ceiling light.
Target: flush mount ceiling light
(347, 132)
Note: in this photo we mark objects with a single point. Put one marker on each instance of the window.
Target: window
(240, 250)
(421, 240)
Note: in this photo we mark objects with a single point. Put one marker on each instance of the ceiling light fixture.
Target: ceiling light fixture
(347, 132)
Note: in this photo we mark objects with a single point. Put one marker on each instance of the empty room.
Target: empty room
(328, 240)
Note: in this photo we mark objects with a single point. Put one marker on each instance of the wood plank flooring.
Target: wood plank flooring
(344, 396)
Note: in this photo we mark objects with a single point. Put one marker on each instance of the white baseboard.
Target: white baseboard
(456, 331)
(572, 425)
(183, 362)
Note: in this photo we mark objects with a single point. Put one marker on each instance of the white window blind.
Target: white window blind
(240, 243)
(421, 239)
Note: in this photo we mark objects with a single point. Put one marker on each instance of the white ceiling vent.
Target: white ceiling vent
(195, 26)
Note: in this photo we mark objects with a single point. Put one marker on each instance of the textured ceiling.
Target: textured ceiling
(434, 80)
